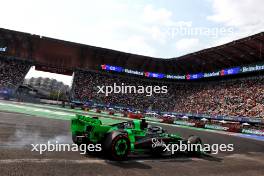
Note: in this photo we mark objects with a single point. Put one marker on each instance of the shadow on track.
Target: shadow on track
(140, 161)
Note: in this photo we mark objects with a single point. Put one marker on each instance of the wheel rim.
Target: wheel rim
(121, 147)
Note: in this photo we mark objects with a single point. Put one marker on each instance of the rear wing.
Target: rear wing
(81, 125)
(88, 119)
(80, 122)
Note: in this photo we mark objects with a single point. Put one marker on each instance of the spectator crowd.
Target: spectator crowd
(85, 88)
(233, 97)
(230, 97)
(12, 72)
(238, 97)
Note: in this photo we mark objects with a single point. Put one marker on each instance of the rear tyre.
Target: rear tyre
(117, 146)
(74, 139)
(78, 141)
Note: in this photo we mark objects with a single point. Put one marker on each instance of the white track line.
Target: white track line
(90, 161)
(87, 161)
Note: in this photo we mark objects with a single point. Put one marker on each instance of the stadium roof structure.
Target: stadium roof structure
(246, 51)
(69, 55)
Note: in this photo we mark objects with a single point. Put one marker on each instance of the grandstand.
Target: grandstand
(232, 97)
(12, 73)
(224, 80)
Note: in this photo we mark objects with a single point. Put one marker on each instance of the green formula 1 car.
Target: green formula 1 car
(120, 139)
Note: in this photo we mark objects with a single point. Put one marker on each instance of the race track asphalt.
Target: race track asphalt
(18, 131)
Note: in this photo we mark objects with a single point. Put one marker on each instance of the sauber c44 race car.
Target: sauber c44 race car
(120, 139)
